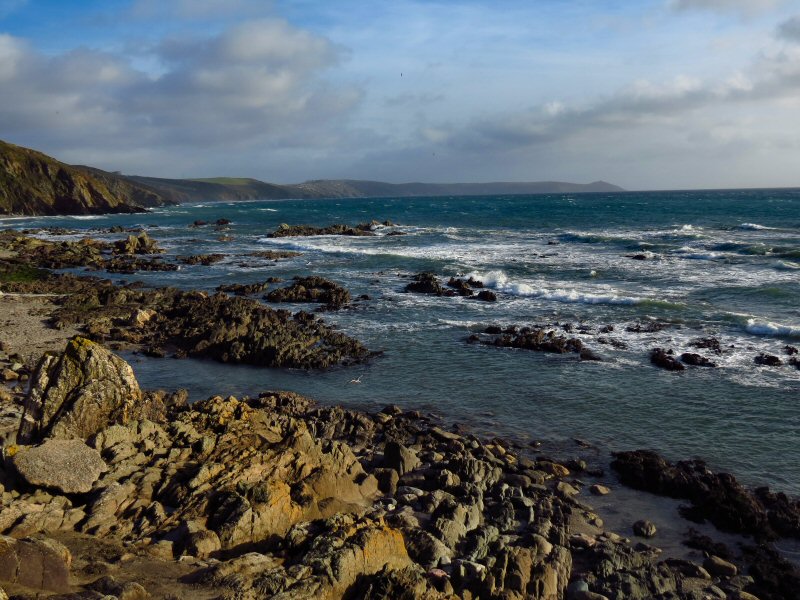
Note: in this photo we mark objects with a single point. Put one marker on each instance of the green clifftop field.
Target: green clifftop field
(32, 183)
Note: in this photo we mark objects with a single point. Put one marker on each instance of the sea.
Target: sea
(663, 269)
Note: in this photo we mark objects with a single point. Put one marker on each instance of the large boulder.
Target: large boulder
(69, 466)
(79, 392)
(36, 563)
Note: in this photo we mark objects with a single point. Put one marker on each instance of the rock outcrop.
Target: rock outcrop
(32, 183)
(312, 289)
(717, 497)
(362, 229)
(79, 392)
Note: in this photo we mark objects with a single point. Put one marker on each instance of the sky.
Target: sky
(648, 94)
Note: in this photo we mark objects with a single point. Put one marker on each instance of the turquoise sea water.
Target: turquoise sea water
(722, 263)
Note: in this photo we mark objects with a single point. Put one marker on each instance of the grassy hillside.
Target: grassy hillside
(218, 189)
(32, 183)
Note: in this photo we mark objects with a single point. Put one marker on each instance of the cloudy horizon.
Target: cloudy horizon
(658, 94)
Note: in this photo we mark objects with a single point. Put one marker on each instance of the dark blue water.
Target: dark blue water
(723, 263)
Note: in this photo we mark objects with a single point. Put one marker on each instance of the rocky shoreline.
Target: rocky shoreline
(275, 497)
(112, 491)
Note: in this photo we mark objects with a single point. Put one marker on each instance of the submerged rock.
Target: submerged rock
(244, 289)
(202, 259)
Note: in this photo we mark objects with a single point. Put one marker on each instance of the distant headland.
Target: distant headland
(32, 183)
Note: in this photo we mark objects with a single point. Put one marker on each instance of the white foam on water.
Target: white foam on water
(499, 281)
(785, 265)
(697, 254)
(769, 328)
(457, 323)
(753, 227)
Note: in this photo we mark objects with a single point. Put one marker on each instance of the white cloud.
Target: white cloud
(261, 81)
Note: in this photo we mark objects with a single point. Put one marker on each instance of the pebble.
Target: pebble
(581, 540)
(720, 567)
(566, 489)
(599, 490)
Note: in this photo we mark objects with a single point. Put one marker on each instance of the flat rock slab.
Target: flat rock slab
(37, 563)
(66, 465)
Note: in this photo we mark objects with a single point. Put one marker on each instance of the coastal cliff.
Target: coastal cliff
(32, 183)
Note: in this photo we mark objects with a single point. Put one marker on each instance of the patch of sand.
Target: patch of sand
(24, 328)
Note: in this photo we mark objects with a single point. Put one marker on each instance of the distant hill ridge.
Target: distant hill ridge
(32, 183)
(344, 188)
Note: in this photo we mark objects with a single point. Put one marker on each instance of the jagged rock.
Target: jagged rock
(141, 244)
(486, 296)
(285, 230)
(334, 555)
(227, 329)
(409, 583)
(426, 283)
(81, 391)
(768, 360)
(520, 572)
(69, 466)
(716, 497)
(537, 339)
(697, 360)
(311, 289)
(398, 457)
(665, 359)
(199, 541)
